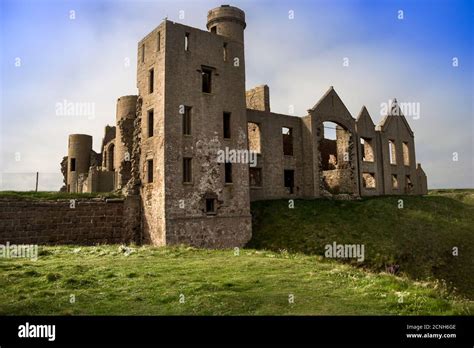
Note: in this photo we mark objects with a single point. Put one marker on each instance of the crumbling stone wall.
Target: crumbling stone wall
(338, 181)
(88, 222)
(330, 108)
(328, 148)
(272, 161)
(124, 168)
(109, 134)
(133, 185)
(258, 98)
(395, 128)
(370, 156)
(254, 137)
(64, 173)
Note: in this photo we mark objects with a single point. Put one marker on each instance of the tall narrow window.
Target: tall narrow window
(150, 123)
(73, 164)
(394, 182)
(149, 170)
(143, 53)
(187, 170)
(367, 150)
(254, 137)
(408, 184)
(226, 121)
(187, 120)
(186, 42)
(392, 152)
(158, 41)
(151, 80)
(206, 80)
(287, 141)
(406, 154)
(289, 179)
(228, 173)
(224, 51)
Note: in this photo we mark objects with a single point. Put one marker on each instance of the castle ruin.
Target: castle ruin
(191, 104)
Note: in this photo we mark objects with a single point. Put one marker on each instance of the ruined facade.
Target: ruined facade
(192, 104)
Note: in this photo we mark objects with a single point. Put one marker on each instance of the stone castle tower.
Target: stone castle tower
(192, 105)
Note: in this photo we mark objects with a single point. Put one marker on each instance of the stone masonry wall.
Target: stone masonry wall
(92, 221)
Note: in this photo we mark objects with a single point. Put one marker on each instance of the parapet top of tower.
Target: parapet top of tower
(225, 13)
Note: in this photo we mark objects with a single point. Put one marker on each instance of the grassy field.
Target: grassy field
(282, 262)
(419, 238)
(152, 281)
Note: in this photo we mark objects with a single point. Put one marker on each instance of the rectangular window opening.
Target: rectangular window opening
(150, 123)
(254, 137)
(367, 150)
(287, 134)
(214, 30)
(408, 184)
(206, 80)
(225, 51)
(228, 173)
(158, 42)
(406, 154)
(210, 206)
(289, 178)
(392, 152)
(186, 42)
(73, 164)
(187, 121)
(226, 122)
(151, 80)
(143, 53)
(187, 170)
(150, 170)
(394, 182)
(368, 180)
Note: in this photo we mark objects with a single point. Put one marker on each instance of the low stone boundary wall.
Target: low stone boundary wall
(79, 221)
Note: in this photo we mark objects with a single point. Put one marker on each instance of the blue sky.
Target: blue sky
(91, 59)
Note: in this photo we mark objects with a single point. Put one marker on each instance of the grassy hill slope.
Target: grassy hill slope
(419, 237)
(105, 281)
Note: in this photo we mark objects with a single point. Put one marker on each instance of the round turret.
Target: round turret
(126, 113)
(126, 107)
(227, 21)
(79, 155)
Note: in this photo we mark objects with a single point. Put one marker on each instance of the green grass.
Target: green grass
(419, 238)
(52, 195)
(150, 281)
(283, 258)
